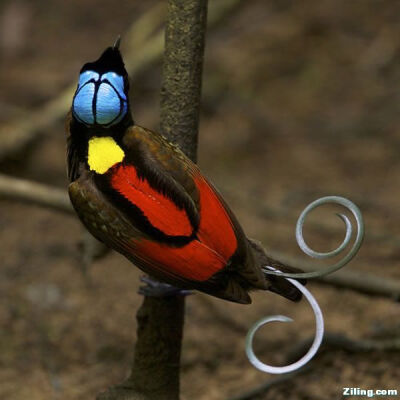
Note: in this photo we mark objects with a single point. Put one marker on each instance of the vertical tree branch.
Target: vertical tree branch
(156, 365)
(183, 62)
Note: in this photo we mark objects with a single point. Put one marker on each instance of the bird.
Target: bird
(142, 196)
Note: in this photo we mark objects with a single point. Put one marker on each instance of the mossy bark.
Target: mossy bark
(156, 365)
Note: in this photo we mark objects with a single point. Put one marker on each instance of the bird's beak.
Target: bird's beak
(117, 43)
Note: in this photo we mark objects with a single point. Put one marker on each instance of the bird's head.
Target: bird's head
(101, 98)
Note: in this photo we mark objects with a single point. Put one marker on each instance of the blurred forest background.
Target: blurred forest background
(300, 100)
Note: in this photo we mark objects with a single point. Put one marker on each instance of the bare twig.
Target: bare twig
(36, 193)
(50, 197)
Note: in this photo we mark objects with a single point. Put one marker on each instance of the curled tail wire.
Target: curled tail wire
(319, 334)
(273, 271)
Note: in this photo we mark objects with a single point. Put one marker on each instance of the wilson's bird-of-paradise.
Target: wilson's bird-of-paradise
(140, 195)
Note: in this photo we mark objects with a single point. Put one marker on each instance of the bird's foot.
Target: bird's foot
(153, 288)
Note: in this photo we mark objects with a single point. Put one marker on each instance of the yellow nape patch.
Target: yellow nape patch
(103, 153)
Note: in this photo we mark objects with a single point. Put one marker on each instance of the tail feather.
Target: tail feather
(278, 284)
(283, 287)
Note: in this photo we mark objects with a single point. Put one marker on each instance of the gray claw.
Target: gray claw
(153, 288)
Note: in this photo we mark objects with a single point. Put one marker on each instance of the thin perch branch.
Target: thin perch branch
(35, 193)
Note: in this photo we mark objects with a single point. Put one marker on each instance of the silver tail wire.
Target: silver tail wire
(319, 320)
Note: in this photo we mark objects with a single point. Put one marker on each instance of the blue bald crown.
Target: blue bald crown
(101, 96)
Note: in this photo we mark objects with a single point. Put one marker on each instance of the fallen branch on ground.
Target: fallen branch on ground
(359, 281)
(262, 388)
(332, 341)
(34, 193)
(342, 342)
